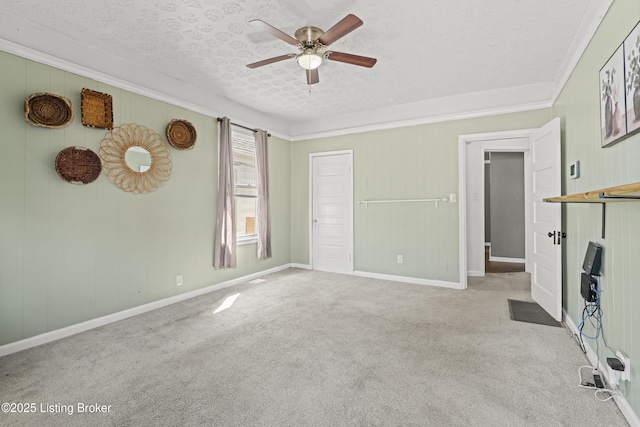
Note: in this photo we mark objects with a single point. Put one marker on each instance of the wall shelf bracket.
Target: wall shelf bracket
(604, 217)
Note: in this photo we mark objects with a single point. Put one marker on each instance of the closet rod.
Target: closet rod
(243, 127)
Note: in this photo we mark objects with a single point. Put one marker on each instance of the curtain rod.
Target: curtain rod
(243, 127)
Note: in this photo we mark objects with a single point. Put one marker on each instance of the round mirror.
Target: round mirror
(135, 158)
(138, 159)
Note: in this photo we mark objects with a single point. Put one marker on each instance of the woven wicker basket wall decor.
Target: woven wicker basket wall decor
(97, 109)
(113, 150)
(78, 165)
(181, 134)
(48, 110)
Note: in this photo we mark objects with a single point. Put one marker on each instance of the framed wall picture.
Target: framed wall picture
(632, 79)
(613, 125)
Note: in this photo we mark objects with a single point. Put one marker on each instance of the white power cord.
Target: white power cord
(612, 393)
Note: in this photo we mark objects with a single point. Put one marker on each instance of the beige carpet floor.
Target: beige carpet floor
(306, 348)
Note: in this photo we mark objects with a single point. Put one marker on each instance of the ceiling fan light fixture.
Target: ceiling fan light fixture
(309, 60)
(311, 42)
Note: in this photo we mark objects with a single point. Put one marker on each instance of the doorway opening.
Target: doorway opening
(471, 153)
(543, 258)
(504, 212)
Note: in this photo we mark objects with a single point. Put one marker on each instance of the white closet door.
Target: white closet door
(332, 213)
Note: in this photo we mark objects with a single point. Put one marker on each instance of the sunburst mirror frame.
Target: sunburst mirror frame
(113, 149)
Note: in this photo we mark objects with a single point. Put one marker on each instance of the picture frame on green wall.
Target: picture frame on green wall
(613, 125)
(632, 79)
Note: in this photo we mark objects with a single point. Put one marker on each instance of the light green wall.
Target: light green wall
(70, 253)
(411, 162)
(578, 107)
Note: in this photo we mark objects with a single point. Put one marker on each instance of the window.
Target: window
(246, 192)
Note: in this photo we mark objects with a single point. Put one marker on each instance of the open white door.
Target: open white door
(546, 271)
(332, 212)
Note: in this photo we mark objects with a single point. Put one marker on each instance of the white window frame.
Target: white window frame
(238, 133)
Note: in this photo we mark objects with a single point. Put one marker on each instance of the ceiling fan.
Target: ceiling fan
(311, 41)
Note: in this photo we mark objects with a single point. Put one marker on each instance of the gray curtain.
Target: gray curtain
(262, 182)
(224, 253)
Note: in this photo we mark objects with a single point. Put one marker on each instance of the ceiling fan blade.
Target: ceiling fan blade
(341, 29)
(261, 25)
(312, 77)
(362, 61)
(270, 61)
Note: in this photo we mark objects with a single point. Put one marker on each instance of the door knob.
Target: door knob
(561, 235)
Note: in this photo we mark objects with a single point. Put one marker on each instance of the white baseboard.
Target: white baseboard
(413, 280)
(303, 266)
(503, 259)
(623, 404)
(475, 273)
(46, 337)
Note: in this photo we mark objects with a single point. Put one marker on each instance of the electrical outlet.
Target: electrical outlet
(179, 280)
(400, 259)
(626, 374)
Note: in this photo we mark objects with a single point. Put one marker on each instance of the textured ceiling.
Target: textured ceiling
(426, 49)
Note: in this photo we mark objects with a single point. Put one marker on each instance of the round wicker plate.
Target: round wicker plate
(48, 110)
(181, 134)
(78, 165)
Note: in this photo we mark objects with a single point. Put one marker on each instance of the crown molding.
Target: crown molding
(424, 112)
(457, 107)
(182, 94)
(590, 23)
(16, 37)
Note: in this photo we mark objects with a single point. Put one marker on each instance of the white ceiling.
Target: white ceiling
(436, 58)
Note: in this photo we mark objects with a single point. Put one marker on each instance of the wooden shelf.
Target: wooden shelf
(620, 193)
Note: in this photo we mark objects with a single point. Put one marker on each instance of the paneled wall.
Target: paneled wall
(406, 163)
(578, 107)
(70, 253)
